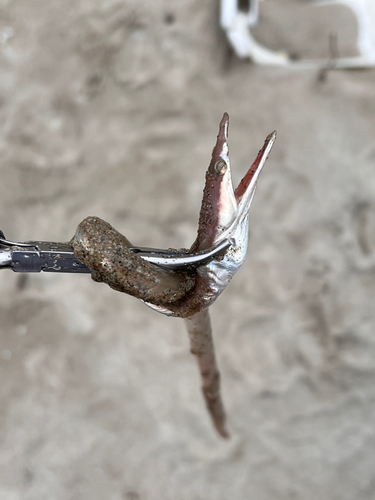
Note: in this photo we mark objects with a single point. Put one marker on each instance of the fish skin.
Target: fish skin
(219, 205)
(202, 346)
(106, 253)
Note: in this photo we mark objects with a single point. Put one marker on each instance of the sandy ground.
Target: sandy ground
(111, 108)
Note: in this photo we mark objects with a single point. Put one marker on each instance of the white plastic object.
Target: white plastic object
(238, 20)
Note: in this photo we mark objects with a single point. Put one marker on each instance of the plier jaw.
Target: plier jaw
(48, 256)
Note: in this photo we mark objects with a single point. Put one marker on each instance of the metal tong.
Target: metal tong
(48, 256)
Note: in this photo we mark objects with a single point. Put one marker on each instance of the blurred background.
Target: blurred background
(111, 108)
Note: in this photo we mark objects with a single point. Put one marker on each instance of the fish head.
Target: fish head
(225, 214)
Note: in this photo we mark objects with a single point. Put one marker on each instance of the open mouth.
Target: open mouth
(223, 209)
(231, 207)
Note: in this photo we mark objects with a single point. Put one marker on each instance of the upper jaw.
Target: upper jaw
(219, 205)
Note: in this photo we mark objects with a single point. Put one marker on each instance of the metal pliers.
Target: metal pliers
(48, 256)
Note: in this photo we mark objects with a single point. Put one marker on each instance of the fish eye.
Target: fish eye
(221, 167)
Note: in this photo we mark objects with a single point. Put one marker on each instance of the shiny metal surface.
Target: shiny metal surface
(37, 256)
(181, 260)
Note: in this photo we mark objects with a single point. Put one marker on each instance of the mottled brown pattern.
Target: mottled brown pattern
(105, 252)
(202, 346)
(208, 217)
